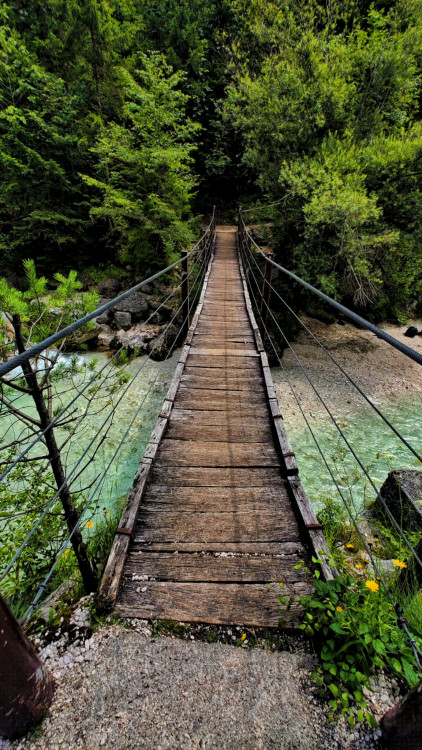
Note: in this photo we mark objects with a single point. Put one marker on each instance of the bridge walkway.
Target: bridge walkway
(215, 532)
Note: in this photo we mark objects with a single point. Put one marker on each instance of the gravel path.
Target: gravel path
(122, 688)
(136, 691)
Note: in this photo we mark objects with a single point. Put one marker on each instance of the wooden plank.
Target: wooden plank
(249, 376)
(243, 499)
(225, 352)
(219, 433)
(253, 605)
(230, 363)
(222, 384)
(172, 526)
(215, 477)
(203, 453)
(221, 401)
(204, 417)
(208, 567)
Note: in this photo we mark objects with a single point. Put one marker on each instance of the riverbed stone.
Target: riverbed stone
(137, 304)
(123, 320)
(402, 493)
(137, 337)
(109, 287)
(105, 338)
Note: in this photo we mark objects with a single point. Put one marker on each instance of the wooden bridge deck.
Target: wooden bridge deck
(215, 532)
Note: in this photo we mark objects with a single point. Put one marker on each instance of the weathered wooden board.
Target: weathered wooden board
(215, 531)
(219, 433)
(173, 526)
(221, 401)
(203, 453)
(227, 362)
(217, 499)
(234, 568)
(204, 417)
(212, 477)
(223, 384)
(253, 605)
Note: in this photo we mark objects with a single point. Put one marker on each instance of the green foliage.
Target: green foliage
(328, 113)
(355, 629)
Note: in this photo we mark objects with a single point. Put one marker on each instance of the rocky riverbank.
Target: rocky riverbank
(143, 323)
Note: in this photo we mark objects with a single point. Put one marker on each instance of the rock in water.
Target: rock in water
(402, 725)
(411, 332)
(402, 493)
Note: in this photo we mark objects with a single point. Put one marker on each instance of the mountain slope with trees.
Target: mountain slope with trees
(122, 122)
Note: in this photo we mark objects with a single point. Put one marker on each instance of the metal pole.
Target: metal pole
(26, 687)
(185, 294)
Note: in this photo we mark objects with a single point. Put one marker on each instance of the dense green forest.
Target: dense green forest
(123, 122)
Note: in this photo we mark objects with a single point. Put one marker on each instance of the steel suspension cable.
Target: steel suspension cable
(338, 365)
(350, 447)
(407, 350)
(411, 641)
(89, 383)
(64, 546)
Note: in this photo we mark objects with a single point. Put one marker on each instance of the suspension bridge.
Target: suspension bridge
(217, 527)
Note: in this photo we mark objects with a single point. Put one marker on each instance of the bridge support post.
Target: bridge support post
(26, 686)
(185, 294)
(266, 288)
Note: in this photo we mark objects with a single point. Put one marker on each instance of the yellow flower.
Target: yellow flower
(359, 566)
(400, 564)
(372, 585)
(376, 539)
(243, 638)
(339, 609)
(350, 546)
(89, 524)
(390, 608)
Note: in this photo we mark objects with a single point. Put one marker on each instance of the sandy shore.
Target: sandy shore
(382, 372)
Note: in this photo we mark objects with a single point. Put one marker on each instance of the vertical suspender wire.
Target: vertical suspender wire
(411, 641)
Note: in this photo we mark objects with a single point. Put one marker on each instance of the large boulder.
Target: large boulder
(123, 320)
(136, 304)
(161, 349)
(402, 493)
(137, 337)
(402, 726)
(105, 338)
(109, 287)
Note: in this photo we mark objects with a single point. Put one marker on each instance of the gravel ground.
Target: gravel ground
(122, 688)
(381, 371)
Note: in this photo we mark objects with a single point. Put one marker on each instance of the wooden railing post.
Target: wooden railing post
(266, 287)
(185, 295)
(26, 687)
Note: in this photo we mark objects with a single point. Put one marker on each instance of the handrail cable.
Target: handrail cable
(33, 351)
(42, 586)
(78, 463)
(407, 350)
(349, 378)
(417, 652)
(95, 376)
(345, 439)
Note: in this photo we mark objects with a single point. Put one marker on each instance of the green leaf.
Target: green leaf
(334, 689)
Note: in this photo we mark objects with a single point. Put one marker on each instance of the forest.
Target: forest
(122, 123)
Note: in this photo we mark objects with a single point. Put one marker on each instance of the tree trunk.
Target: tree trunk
(26, 687)
(70, 512)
